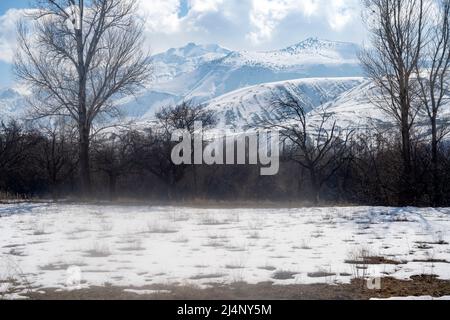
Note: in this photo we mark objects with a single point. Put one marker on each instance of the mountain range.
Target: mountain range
(238, 85)
(205, 73)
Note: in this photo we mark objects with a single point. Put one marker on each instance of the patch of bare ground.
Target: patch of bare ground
(284, 275)
(438, 243)
(431, 260)
(207, 276)
(423, 285)
(321, 274)
(374, 261)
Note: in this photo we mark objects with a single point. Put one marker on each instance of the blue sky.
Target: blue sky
(235, 24)
(184, 8)
(5, 68)
(5, 74)
(7, 4)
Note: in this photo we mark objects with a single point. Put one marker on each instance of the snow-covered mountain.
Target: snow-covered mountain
(239, 109)
(310, 55)
(311, 58)
(177, 61)
(355, 109)
(205, 72)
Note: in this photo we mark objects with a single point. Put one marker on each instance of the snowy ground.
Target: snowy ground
(54, 246)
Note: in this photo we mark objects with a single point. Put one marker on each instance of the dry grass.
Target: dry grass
(98, 251)
(207, 276)
(155, 228)
(284, 275)
(374, 260)
(210, 220)
(321, 274)
(356, 290)
(268, 268)
(135, 245)
(431, 260)
(365, 257)
(214, 243)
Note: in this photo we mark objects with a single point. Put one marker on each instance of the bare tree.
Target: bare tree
(397, 32)
(12, 146)
(112, 154)
(79, 56)
(433, 74)
(151, 152)
(19, 173)
(58, 157)
(320, 147)
(184, 116)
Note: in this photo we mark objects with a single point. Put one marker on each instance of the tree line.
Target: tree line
(79, 57)
(321, 164)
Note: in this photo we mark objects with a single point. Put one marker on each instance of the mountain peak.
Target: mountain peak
(317, 44)
(177, 61)
(193, 49)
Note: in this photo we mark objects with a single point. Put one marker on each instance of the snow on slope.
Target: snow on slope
(357, 109)
(241, 108)
(176, 61)
(311, 58)
(201, 73)
(204, 72)
(354, 109)
(312, 51)
(146, 104)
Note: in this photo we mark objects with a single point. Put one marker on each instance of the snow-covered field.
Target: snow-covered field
(56, 245)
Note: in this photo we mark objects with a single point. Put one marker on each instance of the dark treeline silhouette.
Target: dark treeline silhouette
(79, 63)
(361, 168)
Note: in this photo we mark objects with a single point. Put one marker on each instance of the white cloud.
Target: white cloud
(341, 12)
(203, 6)
(8, 23)
(237, 24)
(267, 15)
(161, 15)
(263, 22)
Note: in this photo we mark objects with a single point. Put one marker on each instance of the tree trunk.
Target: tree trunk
(300, 181)
(434, 164)
(83, 123)
(316, 186)
(85, 172)
(406, 190)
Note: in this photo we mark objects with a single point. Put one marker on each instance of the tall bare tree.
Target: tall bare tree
(397, 31)
(112, 155)
(434, 75)
(79, 56)
(320, 147)
(58, 156)
(184, 116)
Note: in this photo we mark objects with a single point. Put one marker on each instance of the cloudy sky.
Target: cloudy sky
(235, 24)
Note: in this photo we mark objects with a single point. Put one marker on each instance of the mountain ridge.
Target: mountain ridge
(203, 72)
